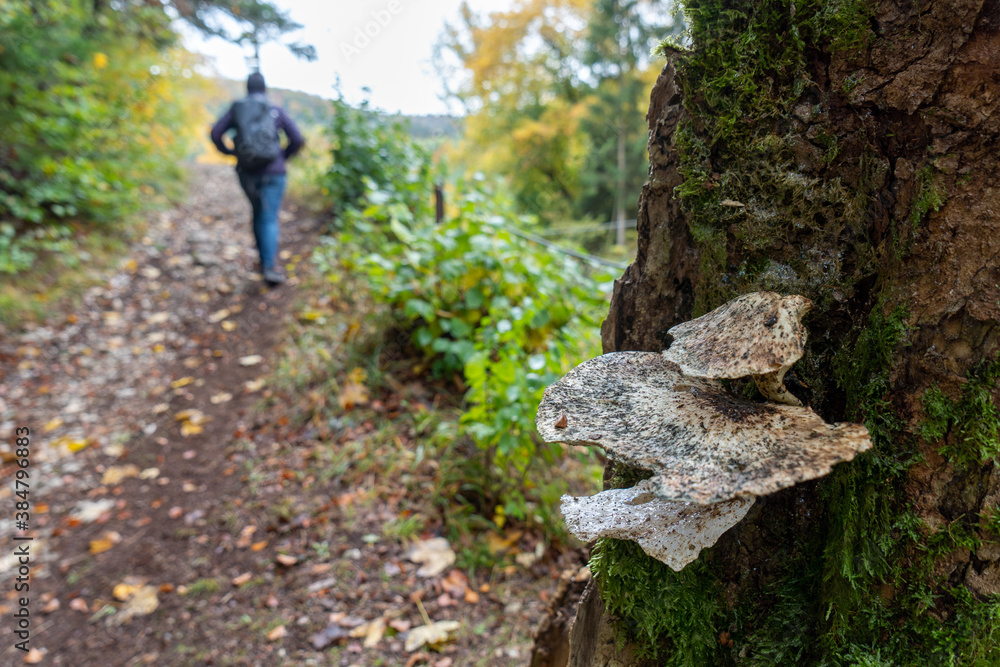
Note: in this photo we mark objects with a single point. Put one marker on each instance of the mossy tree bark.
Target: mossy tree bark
(845, 151)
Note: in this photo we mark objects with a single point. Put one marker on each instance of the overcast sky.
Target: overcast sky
(395, 62)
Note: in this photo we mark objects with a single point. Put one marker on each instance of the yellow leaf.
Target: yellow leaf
(182, 382)
(101, 545)
(228, 325)
(158, 348)
(124, 591)
(100, 60)
(52, 424)
(116, 474)
(190, 428)
(258, 546)
(352, 394)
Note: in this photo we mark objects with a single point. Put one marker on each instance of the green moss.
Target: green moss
(668, 616)
(743, 186)
(973, 419)
(930, 195)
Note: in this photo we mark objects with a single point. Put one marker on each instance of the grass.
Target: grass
(54, 285)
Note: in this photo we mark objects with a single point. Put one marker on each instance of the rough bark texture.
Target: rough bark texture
(865, 166)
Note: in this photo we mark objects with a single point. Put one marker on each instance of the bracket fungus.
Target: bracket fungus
(758, 334)
(669, 413)
(674, 533)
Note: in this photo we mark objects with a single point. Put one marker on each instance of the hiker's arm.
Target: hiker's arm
(295, 140)
(219, 129)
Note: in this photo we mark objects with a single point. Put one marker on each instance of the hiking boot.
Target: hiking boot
(272, 277)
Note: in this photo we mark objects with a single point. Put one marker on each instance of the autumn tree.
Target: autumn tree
(516, 73)
(620, 36)
(844, 151)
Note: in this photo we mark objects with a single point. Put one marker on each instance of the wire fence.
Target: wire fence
(593, 259)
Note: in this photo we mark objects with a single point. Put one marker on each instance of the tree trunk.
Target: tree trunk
(848, 154)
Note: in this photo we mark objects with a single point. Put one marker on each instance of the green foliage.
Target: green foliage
(930, 195)
(476, 303)
(372, 153)
(90, 119)
(671, 616)
(974, 418)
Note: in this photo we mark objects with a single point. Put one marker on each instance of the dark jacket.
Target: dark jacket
(281, 121)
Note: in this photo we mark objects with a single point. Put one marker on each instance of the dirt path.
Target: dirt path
(175, 521)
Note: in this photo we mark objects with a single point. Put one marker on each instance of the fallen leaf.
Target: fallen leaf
(332, 633)
(182, 382)
(251, 360)
(143, 601)
(435, 556)
(190, 428)
(286, 560)
(160, 408)
(223, 397)
(258, 546)
(34, 656)
(158, 318)
(219, 315)
(124, 591)
(432, 635)
(175, 512)
(562, 422)
(243, 541)
(79, 604)
(51, 606)
(455, 584)
(149, 473)
(277, 633)
(52, 424)
(100, 545)
(191, 415)
(352, 394)
(228, 325)
(497, 544)
(254, 385)
(376, 630)
(115, 474)
(242, 579)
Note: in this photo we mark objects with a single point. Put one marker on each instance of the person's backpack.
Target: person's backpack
(256, 140)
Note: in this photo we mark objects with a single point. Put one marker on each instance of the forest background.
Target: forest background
(101, 107)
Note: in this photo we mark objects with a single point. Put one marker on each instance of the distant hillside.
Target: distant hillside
(314, 111)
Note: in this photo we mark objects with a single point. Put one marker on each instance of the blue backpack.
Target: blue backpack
(256, 140)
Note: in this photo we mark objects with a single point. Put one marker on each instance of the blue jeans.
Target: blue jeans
(265, 192)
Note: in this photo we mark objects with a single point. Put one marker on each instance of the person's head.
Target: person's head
(255, 83)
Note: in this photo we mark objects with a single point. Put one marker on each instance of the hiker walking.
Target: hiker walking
(260, 164)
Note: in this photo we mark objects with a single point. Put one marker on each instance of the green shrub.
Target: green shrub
(91, 119)
(475, 303)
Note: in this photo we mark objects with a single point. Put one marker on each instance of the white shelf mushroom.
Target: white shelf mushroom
(674, 533)
(758, 334)
(669, 414)
(702, 444)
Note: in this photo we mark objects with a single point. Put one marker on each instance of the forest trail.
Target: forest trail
(174, 521)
